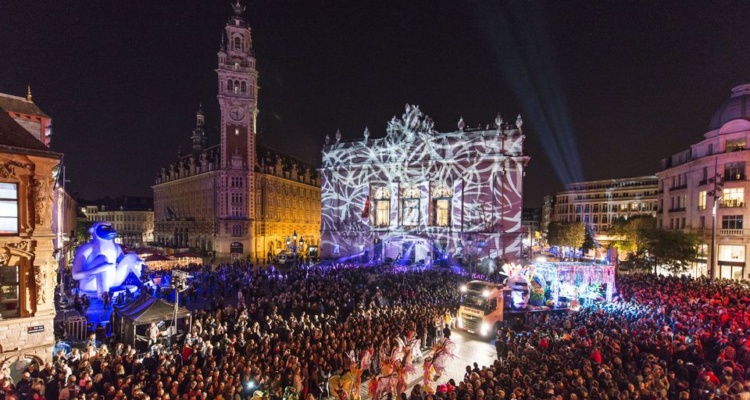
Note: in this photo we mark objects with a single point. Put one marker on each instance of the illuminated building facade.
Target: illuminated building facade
(598, 203)
(211, 200)
(717, 164)
(287, 201)
(29, 243)
(132, 218)
(418, 194)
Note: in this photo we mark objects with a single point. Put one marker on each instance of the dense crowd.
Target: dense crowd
(281, 334)
(285, 334)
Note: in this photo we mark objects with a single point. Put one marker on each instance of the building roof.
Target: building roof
(737, 107)
(20, 105)
(14, 135)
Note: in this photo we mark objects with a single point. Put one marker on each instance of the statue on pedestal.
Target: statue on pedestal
(101, 264)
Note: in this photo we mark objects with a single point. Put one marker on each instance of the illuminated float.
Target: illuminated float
(101, 265)
(559, 284)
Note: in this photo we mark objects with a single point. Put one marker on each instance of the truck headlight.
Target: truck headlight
(486, 293)
(463, 289)
(485, 329)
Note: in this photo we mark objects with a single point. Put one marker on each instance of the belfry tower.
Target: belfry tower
(238, 103)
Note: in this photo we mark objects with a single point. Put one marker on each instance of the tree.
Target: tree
(674, 250)
(633, 235)
(567, 234)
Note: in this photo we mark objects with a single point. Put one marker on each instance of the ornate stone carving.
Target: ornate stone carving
(4, 256)
(412, 123)
(8, 169)
(23, 245)
(43, 200)
(40, 279)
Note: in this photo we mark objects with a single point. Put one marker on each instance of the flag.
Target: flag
(366, 210)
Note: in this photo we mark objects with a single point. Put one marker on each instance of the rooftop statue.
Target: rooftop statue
(100, 264)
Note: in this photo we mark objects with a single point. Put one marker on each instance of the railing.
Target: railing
(678, 187)
(731, 232)
(731, 204)
(703, 182)
(677, 209)
(734, 177)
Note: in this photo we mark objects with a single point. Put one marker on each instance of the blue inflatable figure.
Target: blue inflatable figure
(101, 264)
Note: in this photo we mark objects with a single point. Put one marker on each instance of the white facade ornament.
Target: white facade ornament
(498, 121)
(367, 133)
(519, 121)
(461, 124)
(338, 135)
(328, 139)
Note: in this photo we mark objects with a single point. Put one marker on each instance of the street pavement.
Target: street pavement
(470, 349)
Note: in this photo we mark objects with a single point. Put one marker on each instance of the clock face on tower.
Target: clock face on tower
(237, 113)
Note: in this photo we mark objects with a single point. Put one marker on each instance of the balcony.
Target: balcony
(678, 187)
(731, 204)
(731, 232)
(677, 209)
(733, 177)
(703, 182)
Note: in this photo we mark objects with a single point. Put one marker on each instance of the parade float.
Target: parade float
(532, 290)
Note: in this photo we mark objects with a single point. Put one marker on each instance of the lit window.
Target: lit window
(8, 208)
(733, 197)
(441, 205)
(382, 207)
(702, 200)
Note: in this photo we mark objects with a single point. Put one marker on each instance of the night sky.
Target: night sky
(606, 88)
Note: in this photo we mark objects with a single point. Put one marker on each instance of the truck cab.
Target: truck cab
(482, 305)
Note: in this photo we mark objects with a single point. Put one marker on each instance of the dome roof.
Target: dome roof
(737, 107)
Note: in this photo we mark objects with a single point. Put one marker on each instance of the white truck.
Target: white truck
(482, 306)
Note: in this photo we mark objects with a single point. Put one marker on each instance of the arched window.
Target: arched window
(382, 207)
(243, 87)
(237, 43)
(442, 197)
(410, 206)
(236, 86)
(230, 85)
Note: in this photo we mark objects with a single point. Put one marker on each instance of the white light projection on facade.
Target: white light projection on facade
(417, 194)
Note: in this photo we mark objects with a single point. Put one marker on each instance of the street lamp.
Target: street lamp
(715, 194)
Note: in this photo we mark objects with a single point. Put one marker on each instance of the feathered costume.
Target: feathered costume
(394, 369)
(434, 366)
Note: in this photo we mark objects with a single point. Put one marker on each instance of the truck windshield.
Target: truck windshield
(474, 299)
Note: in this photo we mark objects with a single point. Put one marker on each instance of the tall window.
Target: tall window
(236, 230)
(410, 206)
(702, 200)
(382, 207)
(8, 208)
(734, 171)
(731, 222)
(733, 197)
(442, 197)
(237, 43)
(9, 291)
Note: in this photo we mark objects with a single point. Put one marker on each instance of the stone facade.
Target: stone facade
(212, 200)
(713, 172)
(420, 195)
(28, 266)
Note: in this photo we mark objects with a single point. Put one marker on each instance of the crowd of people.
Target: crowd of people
(268, 334)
